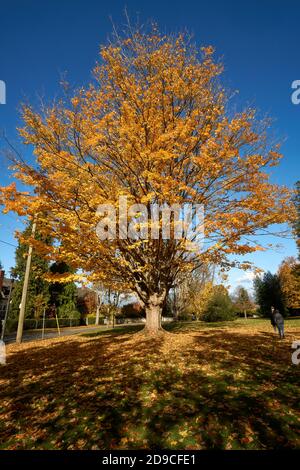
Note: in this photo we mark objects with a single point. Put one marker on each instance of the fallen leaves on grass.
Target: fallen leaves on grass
(227, 388)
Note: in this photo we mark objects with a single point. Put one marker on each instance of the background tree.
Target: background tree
(86, 302)
(219, 307)
(242, 302)
(100, 296)
(167, 309)
(290, 283)
(132, 310)
(112, 301)
(191, 293)
(268, 293)
(63, 295)
(38, 288)
(155, 127)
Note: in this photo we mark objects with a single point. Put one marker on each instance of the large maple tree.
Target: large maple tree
(153, 126)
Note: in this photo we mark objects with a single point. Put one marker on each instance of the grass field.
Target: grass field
(200, 386)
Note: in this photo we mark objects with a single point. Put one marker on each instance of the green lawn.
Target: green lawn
(200, 386)
(241, 322)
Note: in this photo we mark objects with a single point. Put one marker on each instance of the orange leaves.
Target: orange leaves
(290, 282)
(64, 278)
(154, 127)
(14, 200)
(208, 50)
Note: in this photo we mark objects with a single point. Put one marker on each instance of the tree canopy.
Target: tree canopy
(153, 126)
(289, 277)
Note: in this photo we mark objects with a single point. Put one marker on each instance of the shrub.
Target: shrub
(132, 310)
(91, 320)
(185, 316)
(219, 308)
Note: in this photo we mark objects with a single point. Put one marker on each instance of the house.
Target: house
(5, 290)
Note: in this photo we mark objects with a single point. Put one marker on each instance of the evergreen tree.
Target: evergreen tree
(268, 293)
(63, 295)
(38, 288)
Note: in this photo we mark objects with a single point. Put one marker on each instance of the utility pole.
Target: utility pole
(57, 323)
(44, 315)
(25, 289)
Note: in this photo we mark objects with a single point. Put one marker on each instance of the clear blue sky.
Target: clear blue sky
(258, 41)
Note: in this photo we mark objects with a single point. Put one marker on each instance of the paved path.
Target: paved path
(34, 335)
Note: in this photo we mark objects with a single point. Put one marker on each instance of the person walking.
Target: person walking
(279, 322)
(272, 319)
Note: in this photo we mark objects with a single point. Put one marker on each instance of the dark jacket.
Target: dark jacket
(278, 318)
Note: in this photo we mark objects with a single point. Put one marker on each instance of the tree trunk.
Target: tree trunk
(153, 310)
(245, 313)
(97, 315)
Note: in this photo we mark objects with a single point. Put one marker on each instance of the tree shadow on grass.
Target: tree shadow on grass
(119, 330)
(182, 327)
(212, 389)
